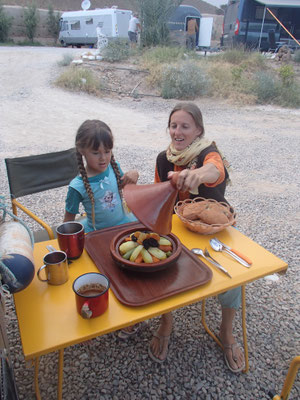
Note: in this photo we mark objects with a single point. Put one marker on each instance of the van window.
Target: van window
(75, 26)
(89, 21)
(63, 25)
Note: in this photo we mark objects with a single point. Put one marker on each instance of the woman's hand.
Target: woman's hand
(131, 176)
(191, 179)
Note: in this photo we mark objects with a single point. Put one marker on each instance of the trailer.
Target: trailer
(178, 22)
(78, 28)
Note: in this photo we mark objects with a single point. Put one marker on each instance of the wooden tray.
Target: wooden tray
(138, 288)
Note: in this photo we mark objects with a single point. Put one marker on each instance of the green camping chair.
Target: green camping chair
(34, 174)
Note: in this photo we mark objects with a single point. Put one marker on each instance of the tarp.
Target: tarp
(280, 3)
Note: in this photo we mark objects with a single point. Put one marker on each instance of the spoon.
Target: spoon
(208, 258)
(217, 246)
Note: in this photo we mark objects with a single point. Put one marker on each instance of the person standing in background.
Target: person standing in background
(134, 27)
(192, 29)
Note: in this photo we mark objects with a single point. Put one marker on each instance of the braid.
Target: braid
(86, 183)
(117, 173)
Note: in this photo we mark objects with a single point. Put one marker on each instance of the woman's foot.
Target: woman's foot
(233, 354)
(158, 348)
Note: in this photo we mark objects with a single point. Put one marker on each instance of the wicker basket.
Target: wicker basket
(201, 227)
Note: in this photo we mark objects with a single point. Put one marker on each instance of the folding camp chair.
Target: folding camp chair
(34, 174)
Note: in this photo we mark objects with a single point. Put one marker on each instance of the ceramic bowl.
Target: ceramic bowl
(143, 267)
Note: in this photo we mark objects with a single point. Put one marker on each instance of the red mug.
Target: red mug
(91, 294)
(70, 236)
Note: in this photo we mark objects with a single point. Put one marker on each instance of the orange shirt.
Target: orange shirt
(192, 27)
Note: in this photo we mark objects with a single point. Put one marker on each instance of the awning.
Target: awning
(280, 3)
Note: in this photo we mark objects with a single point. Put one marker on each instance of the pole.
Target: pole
(262, 25)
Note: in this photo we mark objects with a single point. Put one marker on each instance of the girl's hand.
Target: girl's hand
(191, 179)
(131, 176)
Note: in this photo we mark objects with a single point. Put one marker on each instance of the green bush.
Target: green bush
(287, 75)
(183, 81)
(297, 56)
(79, 79)
(265, 87)
(53, 23)
(31, 19)
(289, 96)
(163, 54)
(5, 24)
(116, 50)
(234, 56)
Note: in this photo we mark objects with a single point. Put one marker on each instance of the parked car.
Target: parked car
(249, 23)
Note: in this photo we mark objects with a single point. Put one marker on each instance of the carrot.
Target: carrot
(139, 259)
(165, 248)
(127, 239)
(155, 259)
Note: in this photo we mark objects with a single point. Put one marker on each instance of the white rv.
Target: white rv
(78, 28)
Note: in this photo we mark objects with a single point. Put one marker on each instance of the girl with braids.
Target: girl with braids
(99, 188)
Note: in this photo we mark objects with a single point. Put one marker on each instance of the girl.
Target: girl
(99, 188)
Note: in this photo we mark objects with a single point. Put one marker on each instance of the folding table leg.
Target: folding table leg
(289, 380)
(60, 373)
(243, 326)
(36, 378)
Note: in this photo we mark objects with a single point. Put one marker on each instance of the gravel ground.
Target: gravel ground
(262, 144)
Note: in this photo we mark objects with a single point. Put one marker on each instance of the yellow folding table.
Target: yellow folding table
(47, 316)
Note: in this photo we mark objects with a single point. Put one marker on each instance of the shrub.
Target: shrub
(79, 79)
(287, 75)
(5, 24)
(183, 81)
(116, 50)
(265, 87)
(234, 56)
(53, 23)
(297, 56)
(163, 54)
(31, 19)
(66, 60)
(289, 96)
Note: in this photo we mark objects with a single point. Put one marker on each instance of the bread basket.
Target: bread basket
(199, 226)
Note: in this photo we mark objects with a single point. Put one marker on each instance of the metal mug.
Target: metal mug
(56, 268)
(91, 294)
(70, 236)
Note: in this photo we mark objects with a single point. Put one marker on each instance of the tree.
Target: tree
(31, 19)
(53, 23)
(5, 24)
(154, 15)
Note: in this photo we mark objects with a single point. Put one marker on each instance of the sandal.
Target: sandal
(233, 348)
(163, 342)
(125, 335)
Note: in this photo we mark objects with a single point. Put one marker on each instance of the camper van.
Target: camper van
(78, 28)
(249, 23)
(178, 21)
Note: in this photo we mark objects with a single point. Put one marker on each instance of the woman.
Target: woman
(201, 173)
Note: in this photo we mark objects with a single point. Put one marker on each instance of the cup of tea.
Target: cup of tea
(91, 294)
(70, 236)
(56, 268)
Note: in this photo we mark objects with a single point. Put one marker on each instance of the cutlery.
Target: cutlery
(208, 258)
(235, 251)
(217, 246)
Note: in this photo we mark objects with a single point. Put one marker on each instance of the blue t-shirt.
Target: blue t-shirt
(108, 205)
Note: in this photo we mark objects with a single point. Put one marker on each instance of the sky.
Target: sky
(217, 3)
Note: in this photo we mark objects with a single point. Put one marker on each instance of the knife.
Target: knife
(239, 254)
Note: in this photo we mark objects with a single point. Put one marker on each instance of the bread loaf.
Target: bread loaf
(192, 211)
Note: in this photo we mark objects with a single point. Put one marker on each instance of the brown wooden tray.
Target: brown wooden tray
(138, 288)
